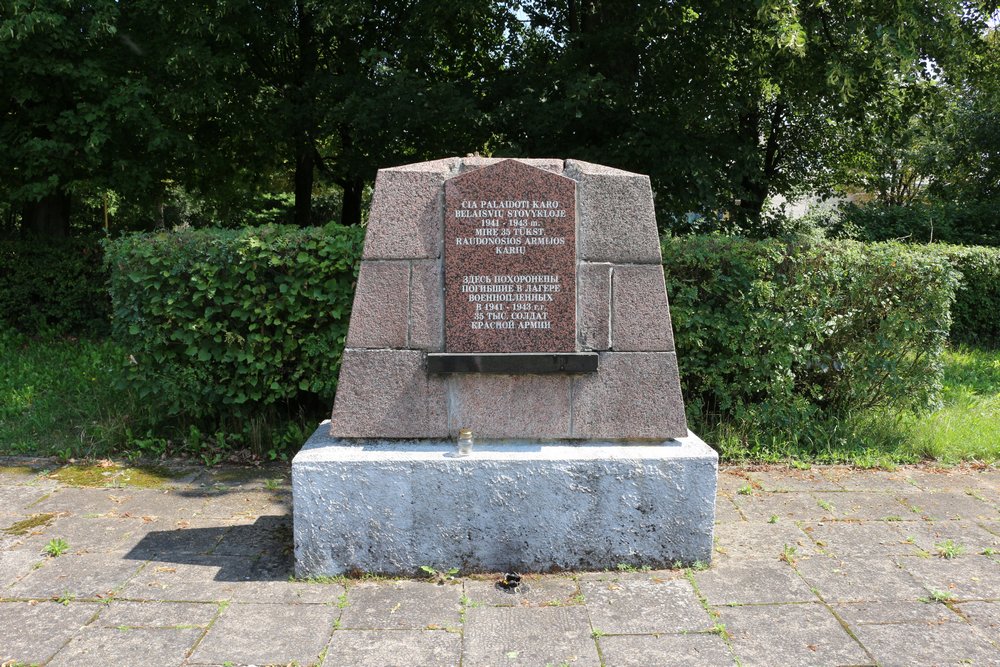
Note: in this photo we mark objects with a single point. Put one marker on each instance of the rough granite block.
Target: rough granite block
(617, 222)
(640, 320)
(548, 164)
(510, 406)
(388, 394)
(426, 306)
(634, 396)
(593, 310)
(405, 217)
(379, 315)
(392, 506)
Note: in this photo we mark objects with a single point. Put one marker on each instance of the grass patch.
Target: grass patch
(25, 526)
(965, 428)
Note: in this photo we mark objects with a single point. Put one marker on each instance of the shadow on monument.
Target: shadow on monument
(261, 551)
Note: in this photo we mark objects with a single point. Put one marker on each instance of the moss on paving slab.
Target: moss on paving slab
(112, 474)
(25, 526)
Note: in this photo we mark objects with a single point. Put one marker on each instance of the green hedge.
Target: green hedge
(968, 223)
(54, 286)
(785, 337)
(976, 311)
(224, 324)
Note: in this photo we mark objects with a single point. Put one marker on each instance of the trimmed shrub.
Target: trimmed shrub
(976, 312)
(54, 286)
(784, 337)
(968, 223)
(224, 325)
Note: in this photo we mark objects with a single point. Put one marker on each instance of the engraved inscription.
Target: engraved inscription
(510, 261)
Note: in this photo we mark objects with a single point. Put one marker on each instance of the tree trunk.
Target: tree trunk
(48, 216)
(351, 212)
(304, 168)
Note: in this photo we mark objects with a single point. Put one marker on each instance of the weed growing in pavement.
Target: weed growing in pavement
(949, 549)
(56, 547)
(439, 577)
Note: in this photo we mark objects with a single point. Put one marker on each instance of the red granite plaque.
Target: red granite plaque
(510, 260)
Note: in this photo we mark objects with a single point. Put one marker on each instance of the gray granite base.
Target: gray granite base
(390, 506)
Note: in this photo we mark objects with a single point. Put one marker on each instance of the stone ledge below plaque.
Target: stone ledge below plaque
(513, 364)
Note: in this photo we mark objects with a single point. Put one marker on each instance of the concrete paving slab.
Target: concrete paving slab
(760, 541)
(33, 632)
(862, 540)
(972, 578)
(549, 591)
(783, 479)
(265, 535)
(241, 503)
(966, 536)
(82, 502)
(75, 576)
(128, 614)
(111, 646)
(88, 535)
(800, 634)
(181, 503)
(169, 539)
(516, 636)
(14, 565)
(866, 613)
(859, 579)
(394, 648)
(413, 605)
(14, 501)
(644, 606)
(853, 479)
(665, 650)
(983, 615)
(198, 579)
(909, 644)
(725, 510)
(753, 582)
(869, 505)
(792, 506)
(947, 505)
(732, 479)
(267, 634)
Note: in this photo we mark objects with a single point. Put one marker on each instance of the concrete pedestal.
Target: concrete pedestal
(391, 506)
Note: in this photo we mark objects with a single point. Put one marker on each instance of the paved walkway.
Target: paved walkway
(828, 566)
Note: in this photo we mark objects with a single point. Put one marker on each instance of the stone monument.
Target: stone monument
(523, 300)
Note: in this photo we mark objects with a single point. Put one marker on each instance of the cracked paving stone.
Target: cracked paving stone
(76, 576)
(553, 591)
(394, 648)
(968, 578)
(760, 541)
(410, 605)
(754, 582)
(875, 539)
(516, 636)
(665, 650)
(111, 646)
(908, 644)
(859, 580)
(42, 628)
(638, 606)
(267, 634)
(792, 634)
(123, 613)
